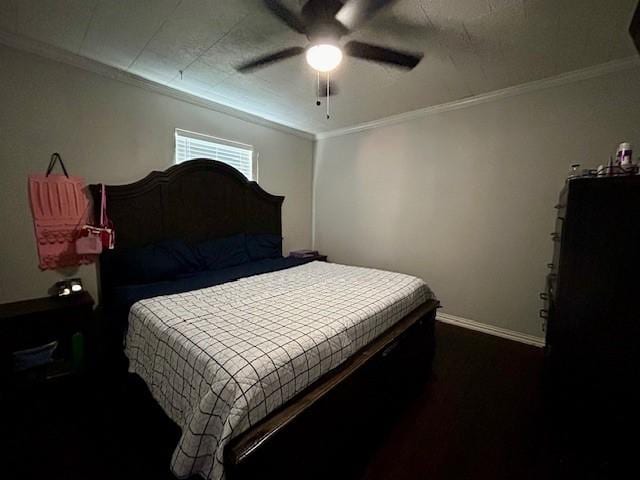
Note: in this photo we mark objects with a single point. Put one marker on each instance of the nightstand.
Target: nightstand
(32, 323)
(316, 257)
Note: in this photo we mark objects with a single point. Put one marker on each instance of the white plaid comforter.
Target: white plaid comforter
(220, 359)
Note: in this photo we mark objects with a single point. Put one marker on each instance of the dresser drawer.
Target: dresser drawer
(556, 235)
(549, 295)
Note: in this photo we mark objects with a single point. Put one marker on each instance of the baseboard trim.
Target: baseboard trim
(491, 330)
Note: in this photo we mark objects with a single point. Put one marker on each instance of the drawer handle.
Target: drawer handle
(543, 313)
(555, 236)
(550, 265)
(544, 296)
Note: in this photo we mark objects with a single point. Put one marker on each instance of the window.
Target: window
(191, 145)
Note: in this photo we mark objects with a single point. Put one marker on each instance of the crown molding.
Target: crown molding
(57, 54)
(534, 86)
(491, 330)
(25, 44)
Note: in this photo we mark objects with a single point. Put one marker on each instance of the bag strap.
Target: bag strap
(55, 157)
(102, 198)
(104, 220)
(50, 167)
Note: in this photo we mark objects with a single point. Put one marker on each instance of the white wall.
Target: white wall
(112, 132)
(464, 199)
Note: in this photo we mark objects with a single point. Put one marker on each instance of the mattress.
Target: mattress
(220, 359)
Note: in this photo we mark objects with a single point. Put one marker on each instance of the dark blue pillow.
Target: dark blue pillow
(264, 245)
(153, 263)
(223, 252)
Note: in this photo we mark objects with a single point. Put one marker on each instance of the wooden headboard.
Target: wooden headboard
(193, 201)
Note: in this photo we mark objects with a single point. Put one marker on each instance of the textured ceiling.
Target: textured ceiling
(470, 46)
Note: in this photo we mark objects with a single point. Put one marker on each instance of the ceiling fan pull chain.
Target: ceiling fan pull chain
(318, 88)
(328, 93)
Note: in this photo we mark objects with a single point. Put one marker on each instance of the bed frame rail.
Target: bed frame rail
(412, 338)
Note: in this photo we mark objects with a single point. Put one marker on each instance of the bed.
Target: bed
(244, 356)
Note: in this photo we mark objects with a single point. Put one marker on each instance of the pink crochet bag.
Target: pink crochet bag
(59, 207)
(93, 240)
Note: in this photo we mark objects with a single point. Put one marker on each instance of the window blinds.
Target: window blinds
(191, 145)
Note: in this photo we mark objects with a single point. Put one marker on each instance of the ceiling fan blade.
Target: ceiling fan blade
(286, 15)
(268, 59)
(374, 53)
(322, 88)
(356, 12)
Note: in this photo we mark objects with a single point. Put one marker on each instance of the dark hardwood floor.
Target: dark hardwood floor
(481, 416)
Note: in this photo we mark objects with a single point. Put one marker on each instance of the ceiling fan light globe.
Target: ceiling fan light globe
(324, 57)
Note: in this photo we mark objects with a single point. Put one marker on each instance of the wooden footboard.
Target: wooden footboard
(371, 380)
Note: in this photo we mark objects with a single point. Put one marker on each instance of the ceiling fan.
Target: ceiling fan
(324, 23)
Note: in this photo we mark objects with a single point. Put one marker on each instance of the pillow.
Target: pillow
(223, 252)
(153, 263)
(264, 245)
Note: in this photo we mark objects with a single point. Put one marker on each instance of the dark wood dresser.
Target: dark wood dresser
(592, 307)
